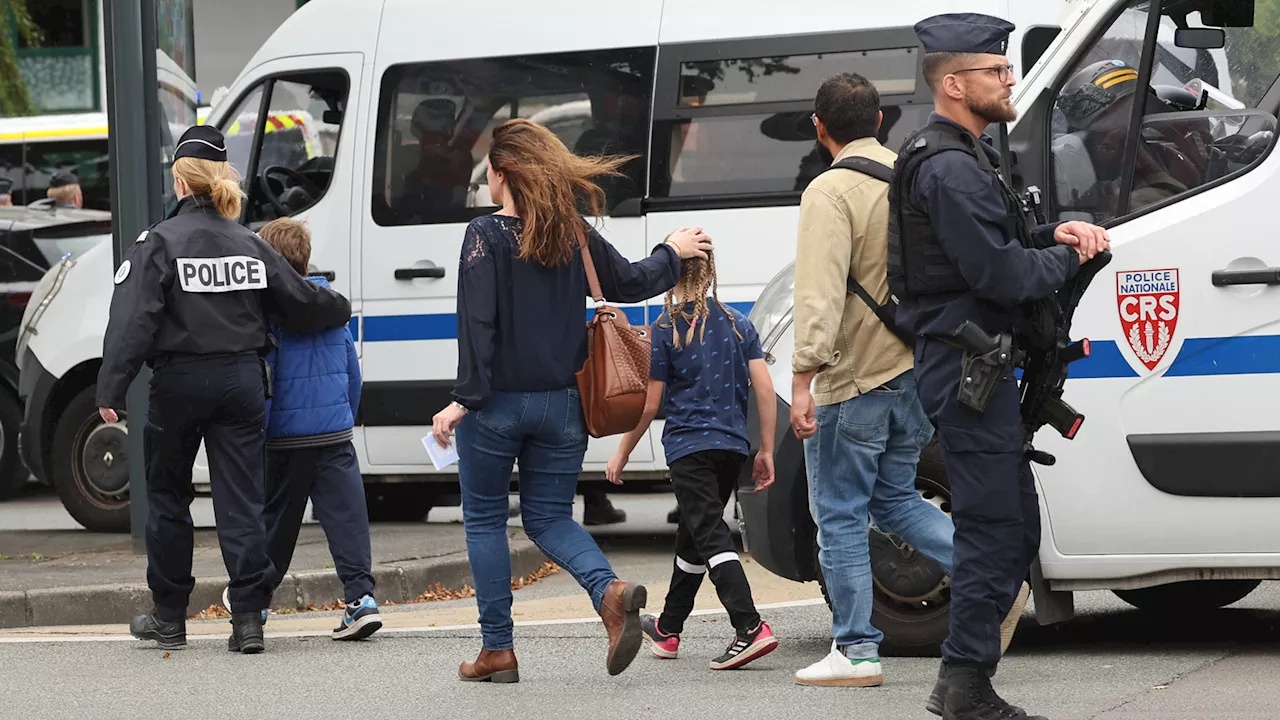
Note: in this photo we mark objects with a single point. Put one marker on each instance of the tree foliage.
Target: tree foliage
(15, 99)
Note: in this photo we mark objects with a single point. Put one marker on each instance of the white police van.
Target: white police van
(1169, 492)
(715, 97)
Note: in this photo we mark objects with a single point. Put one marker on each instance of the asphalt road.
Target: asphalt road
(1111, 663)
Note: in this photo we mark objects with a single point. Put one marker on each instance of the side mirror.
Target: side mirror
(1200, 38)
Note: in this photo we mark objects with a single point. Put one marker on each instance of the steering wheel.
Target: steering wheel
(298, 181)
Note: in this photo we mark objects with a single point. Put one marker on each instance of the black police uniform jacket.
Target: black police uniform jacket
(197, 283)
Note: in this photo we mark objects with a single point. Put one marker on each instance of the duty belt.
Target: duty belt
(173, 358)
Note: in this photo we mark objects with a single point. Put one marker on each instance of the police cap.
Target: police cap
(964, 33)
(204, 142)
(63, 178)
(5, 185)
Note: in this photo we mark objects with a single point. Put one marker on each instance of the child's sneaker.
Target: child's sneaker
(836, 670)
(663, 645)
(745, 648)
(359, 621)
(226, 603)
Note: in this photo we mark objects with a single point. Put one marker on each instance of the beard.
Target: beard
(993, 110)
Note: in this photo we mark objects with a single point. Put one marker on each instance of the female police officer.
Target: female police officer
(192, 301)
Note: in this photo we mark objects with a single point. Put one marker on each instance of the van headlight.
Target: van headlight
(771, 314)
(46, 290)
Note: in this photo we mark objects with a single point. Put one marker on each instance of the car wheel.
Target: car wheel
(911, 601)
(91, 466)
(13, 473)
(1188, 597)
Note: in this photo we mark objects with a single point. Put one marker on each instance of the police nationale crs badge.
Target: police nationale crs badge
(1148, 305)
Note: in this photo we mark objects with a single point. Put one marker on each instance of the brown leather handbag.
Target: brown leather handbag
(615, 379)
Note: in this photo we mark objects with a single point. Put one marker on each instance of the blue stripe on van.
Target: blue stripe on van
(1249, 354)
(1242, 355)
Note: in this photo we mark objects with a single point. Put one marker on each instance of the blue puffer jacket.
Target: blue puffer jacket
(316, 382)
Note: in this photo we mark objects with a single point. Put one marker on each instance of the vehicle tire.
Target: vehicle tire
(398, 502)
(1189, 596)
(13, 472)
(90, 466)
(911, 600)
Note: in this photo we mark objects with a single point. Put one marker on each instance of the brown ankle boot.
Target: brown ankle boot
(620, 611)
(498, 666)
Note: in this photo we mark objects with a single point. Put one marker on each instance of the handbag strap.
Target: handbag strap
(593, 280)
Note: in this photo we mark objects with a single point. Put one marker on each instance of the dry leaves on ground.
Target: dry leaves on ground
(434, 593)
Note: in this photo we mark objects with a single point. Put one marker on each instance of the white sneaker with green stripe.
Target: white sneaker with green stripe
(836, 670)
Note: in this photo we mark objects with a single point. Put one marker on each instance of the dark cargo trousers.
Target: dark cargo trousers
(219, 399)
(994, 503)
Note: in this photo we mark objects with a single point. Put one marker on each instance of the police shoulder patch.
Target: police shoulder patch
(123, 272)
(142, 237)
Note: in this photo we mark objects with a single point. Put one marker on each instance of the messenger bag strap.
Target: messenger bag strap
(593, 280)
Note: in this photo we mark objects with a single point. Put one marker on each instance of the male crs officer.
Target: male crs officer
(192, 301)
(962, 248)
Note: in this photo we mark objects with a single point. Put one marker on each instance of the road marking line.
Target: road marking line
(54, 637)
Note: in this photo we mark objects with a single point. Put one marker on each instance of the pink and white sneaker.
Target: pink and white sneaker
(745, 648)
(663, 645)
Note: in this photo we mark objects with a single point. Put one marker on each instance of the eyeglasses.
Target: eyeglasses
(1003, 72)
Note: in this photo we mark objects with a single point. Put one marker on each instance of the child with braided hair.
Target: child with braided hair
(708, 353)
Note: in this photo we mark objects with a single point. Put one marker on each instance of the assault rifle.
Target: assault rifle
(1044, 371)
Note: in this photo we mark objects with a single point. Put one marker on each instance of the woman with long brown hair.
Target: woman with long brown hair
(521, 339)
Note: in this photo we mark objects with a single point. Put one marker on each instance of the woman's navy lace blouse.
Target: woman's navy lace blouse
(522, 326)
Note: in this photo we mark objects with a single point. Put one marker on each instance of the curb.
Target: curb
(396, 582)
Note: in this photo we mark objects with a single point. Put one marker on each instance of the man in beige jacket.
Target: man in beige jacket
(862, 423)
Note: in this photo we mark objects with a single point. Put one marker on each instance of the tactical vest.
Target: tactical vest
(918, 265)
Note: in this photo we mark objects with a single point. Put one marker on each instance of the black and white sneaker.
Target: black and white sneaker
(745, 648)
(360, 619)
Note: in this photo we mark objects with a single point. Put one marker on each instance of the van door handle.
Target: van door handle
(430, 270)
(1256, 276)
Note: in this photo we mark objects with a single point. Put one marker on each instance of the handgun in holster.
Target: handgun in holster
(987, 358)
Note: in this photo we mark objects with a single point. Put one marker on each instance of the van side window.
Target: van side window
(735, 120)
(435, 123)
(86, 158)
(238, 130)
(11, 168)
(1206, 114)
(286, 155)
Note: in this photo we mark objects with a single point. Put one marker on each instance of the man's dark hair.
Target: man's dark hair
(937, 64)
(848, 105)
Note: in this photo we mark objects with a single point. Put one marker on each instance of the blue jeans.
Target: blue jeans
(546, 432)
(862, 461)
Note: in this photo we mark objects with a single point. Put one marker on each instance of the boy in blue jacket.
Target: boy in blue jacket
(316, 391)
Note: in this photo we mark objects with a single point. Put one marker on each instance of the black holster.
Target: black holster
(987, 358)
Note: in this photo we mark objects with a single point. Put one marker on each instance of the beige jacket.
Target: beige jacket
(844, 218)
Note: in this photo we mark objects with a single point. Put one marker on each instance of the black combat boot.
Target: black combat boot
(246, 633)
(597, 509)
(168, 634)
(939, 693)
(969, 696)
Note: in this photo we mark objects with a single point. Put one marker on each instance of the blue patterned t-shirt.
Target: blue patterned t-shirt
(707, 382)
